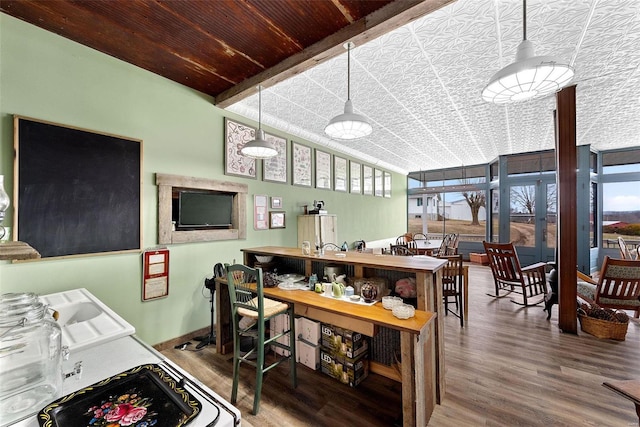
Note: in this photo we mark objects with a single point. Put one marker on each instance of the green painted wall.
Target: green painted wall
(47, 77)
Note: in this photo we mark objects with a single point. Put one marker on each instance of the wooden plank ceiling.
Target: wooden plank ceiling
(224, 48)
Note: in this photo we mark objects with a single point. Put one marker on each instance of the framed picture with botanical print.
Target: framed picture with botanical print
(339, 173)
(301, 164)
(355, 177)
(276, 219)
(378, 186)
(323, 170)
(387, 184)
(367, 180)
(235, 136)
(274, 169)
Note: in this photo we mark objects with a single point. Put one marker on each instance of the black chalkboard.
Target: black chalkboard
(79, 192)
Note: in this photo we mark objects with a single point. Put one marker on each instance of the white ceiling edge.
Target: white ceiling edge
(342, 147)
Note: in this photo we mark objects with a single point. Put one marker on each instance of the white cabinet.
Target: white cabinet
(323, 226)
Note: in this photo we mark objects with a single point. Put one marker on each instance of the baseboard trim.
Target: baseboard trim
(182, 339)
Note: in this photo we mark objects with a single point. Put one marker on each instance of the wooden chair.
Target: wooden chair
(442, 250)
(625, 252)
(452, 277)
(404, 239)
(618, 286)
(248, 301)
(509, 276)
(402, 250)
(452, 247)
(419, 236)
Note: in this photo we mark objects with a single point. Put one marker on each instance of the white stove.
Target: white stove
(97, 357)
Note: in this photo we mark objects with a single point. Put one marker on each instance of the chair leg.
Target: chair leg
(236, 365)
(292, 348)
(259, 369)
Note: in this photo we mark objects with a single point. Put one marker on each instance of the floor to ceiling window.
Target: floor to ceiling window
(449, 201)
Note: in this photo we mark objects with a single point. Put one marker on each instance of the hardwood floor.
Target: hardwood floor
(509, 366)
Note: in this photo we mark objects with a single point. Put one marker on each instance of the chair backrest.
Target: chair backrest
(619, 280)
(504, 262)
(443, 245)
(452, 273)
(401, 250)
(412, 244)
(402, 240)
(625, 253)
(419, 236)
(245, 288)
(452, 248)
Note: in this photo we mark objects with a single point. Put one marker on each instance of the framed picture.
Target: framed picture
(339, 173)
(387, 184)
(235, 136)
(323, 170)
(274, 169)
(276, 203)
(355, 175)
(260, 220)
(276, 219)
(367, 180)
(301, 161)
(378, 186)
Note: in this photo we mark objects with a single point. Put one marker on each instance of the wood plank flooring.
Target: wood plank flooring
(509, 366)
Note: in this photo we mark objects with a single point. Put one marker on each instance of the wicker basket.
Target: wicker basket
(603, 328)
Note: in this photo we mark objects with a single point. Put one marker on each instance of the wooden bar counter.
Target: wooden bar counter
(427, 273)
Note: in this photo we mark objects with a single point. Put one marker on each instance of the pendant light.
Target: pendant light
(529, 77)
(348, 125)
(259, 148)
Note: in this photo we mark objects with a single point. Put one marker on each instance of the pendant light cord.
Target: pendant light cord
(524, 19)
(348, 71)
(259, 107)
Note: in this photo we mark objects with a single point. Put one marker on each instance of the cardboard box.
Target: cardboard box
(277, 325)
(343, 344)
(308, 355)
(308, 330)
(351, 372)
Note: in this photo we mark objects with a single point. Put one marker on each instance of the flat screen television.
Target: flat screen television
(203, 210)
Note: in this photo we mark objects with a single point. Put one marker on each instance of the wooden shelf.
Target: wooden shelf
(17, 251)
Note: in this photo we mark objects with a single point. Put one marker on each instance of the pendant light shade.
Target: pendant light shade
(348, 125)
(259, 148)
(529, 77)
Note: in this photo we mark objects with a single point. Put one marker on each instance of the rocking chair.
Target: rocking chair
(509, 276)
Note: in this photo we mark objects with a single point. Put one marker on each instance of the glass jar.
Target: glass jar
(30, 356)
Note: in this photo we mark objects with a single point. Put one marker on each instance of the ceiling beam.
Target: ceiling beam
(380, 22)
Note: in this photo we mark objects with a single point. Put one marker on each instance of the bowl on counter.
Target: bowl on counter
(264, 258)
(404, 311)
(389, 302)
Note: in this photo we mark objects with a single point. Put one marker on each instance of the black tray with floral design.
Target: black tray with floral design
(143, 396)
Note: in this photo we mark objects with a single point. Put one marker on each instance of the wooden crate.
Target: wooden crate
(479, 258)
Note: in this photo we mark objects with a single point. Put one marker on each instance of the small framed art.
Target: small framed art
(339, 173)
(355, 177)
(276, 219)
(260, 220)
(301, 162)
(276, 203)
(387, 184)
(379, 189)
(274, 169)
(235, 136)
(323, 170)
(367, 180)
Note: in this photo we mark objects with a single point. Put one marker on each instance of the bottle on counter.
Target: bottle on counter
(313, 279)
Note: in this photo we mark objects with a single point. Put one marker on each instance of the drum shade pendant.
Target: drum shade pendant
(259, 148)
(529, 77)
(348, 125)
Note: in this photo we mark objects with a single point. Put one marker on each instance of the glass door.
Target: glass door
(533, 220)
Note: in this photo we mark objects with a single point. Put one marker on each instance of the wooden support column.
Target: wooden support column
(566, 162)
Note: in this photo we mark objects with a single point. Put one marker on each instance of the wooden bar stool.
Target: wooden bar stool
(248, 303)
